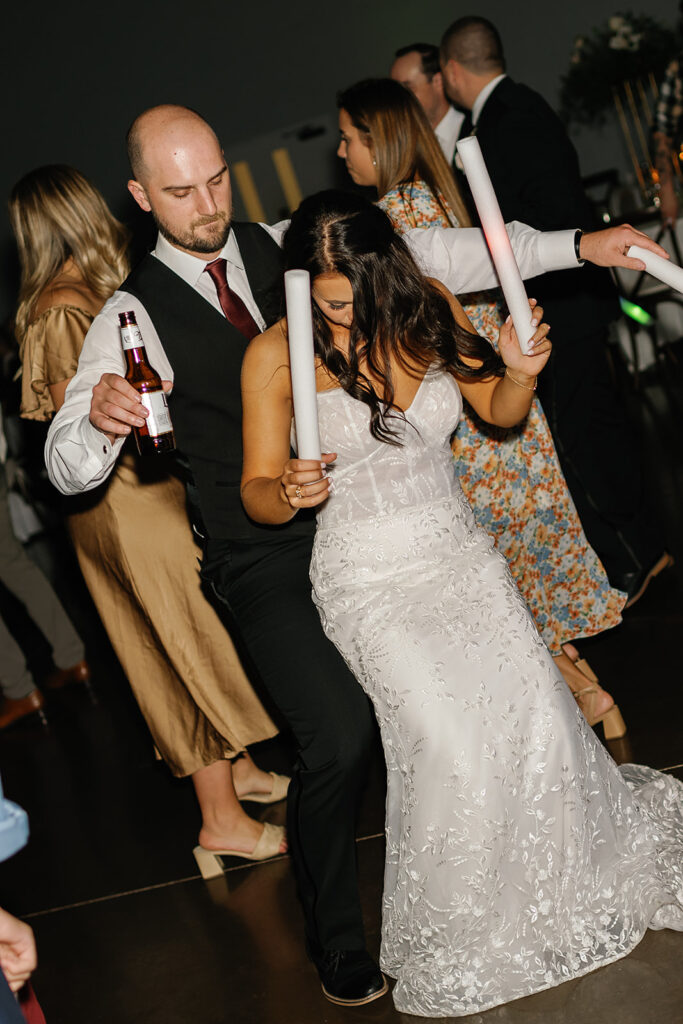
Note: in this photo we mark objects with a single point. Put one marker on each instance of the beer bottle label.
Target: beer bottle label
(131, 337)
(159, 419)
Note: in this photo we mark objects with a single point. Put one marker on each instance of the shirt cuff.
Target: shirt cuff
(85, 462)
(556, 250)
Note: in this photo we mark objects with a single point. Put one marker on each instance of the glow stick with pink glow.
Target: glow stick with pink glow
(497, 239)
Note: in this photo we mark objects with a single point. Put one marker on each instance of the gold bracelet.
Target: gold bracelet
(519, 383)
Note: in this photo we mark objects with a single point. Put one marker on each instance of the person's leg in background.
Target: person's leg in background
(21, 696)
(27, 583)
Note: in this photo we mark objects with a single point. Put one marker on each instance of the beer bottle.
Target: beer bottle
(156, 437)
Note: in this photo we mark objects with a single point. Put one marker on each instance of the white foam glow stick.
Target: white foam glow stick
(497, 239)
(302, 363)
(664, 270)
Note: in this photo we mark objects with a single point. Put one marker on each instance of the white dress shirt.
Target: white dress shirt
(79, 457)
(192, 269)
(448, 130)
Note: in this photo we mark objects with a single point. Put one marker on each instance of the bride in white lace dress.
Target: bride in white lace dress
(518, 854)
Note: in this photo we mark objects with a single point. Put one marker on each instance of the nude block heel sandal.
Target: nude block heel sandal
(208, 862)
(211, 866)
(612, 721)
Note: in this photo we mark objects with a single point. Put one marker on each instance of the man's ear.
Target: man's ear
(437, 79)
(449, 72)
(139, 195)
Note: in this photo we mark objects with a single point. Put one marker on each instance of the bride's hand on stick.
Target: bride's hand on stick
(527, 367)
(304, 482)
(505, 401)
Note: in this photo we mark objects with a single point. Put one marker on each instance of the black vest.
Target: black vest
(206, 354)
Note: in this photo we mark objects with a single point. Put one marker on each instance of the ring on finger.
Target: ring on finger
(298, 492)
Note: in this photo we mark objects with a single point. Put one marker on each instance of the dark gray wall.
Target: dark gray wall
(76, 74)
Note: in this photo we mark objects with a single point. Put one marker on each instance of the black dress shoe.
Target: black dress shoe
(350, 977)
(636, 583)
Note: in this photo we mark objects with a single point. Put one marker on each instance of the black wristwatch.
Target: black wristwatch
(577, 246)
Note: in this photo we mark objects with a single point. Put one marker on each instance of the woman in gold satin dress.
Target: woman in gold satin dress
(132, 536)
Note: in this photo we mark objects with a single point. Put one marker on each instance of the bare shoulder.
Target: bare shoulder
(458, 312)
(266, 361)
(439, 286)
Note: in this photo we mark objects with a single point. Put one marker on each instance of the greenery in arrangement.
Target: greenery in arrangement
(625, 47)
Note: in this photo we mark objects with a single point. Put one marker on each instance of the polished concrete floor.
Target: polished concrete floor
(128, 933)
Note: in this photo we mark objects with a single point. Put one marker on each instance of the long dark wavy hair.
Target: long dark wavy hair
(397, 314)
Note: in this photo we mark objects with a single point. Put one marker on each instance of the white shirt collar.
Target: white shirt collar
(448, 130)
(481, 99)
(190, 267)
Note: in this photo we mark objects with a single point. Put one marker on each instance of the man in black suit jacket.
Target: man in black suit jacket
(535, 173)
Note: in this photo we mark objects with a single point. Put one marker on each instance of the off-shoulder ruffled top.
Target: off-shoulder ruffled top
(49, 354)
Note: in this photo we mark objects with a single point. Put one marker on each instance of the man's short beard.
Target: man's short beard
(193, 242)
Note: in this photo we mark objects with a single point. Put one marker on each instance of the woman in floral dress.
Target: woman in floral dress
(512, 478)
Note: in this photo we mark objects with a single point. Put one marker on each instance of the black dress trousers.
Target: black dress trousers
(267, 591)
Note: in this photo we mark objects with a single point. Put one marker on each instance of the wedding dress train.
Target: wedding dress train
(518, 854)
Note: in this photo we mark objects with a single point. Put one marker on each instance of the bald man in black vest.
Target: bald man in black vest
(210, 286)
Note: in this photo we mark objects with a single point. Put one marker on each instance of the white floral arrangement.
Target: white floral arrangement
(625, 37)
(625, 47)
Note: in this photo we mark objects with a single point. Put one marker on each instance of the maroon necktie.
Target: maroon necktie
(231, 304)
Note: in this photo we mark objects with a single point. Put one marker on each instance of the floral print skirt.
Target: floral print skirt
(514, 483)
